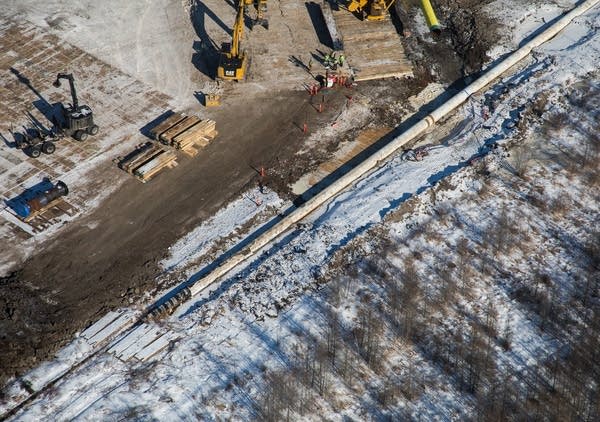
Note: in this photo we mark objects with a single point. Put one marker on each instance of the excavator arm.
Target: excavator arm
(232, 63)
(238, 31)
(69, 77)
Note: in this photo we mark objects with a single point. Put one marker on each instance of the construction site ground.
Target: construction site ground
(107, 253)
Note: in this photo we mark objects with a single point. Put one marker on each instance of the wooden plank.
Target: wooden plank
(167, 137)
(200, 141)
(373, 49)
(201, 129)
(40, 213)
(153, 167)
(157, 161)
(155, 347)
(379, 74)
(125, 162)
(166, 124)
(201, 132)
(111, 328)
(128, 341)
(148, 337)
(100, 324)
(190, 150)
(143, 157)
(166, 164)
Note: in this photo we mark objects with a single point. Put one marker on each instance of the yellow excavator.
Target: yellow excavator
(232, 63)
(373, 10)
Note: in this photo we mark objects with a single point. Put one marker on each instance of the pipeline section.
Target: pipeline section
(376, 159)
(25, 209)
(430, 17)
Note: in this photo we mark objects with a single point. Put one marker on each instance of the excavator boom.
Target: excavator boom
(69, 77)
(238, 31)
(232, 63)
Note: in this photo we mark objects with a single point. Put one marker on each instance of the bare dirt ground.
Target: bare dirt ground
(109, 257)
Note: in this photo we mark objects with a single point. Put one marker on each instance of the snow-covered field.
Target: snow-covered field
(229, 339)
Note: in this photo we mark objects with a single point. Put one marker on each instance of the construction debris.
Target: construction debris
(418, 153)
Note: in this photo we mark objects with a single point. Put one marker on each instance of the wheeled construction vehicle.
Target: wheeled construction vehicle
(36, 141)
(77, 120)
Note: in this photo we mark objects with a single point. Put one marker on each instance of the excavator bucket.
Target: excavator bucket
(261, 15)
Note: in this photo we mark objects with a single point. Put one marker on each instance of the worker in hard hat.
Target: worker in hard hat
(334, 60)
(327, 61)
(341, 60)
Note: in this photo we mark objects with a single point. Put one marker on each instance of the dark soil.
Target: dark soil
(87, 271)
(461, 48)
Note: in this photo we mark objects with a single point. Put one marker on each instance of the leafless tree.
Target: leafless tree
(368, 334)
(332, 334)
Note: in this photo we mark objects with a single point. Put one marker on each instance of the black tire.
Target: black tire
(35, 151)
(93, 130)
(80, 135)
(48, 147)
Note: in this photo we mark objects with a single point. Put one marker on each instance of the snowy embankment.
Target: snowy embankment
(255, 321)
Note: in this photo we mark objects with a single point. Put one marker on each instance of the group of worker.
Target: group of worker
(331, 61)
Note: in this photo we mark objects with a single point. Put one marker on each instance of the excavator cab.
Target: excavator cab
(372, 10)
(77, 120)
(377, 10)
(232, 67)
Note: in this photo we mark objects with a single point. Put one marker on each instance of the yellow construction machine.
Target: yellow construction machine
(373, 10)
(261, 12)
(232, 63)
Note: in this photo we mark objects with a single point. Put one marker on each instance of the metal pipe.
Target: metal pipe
(430, 17)
(26, 208)
(384, 153)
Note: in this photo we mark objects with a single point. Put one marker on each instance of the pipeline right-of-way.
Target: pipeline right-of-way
(374, 161)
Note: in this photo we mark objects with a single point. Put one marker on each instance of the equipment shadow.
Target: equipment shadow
(206, 51)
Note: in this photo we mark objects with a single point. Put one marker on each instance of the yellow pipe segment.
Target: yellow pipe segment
(432, 20)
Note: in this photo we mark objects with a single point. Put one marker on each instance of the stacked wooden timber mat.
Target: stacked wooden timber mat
(187, 133)
(147, 160)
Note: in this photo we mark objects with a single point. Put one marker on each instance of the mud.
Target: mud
(110, 258)
(461, 48)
